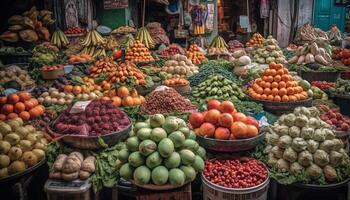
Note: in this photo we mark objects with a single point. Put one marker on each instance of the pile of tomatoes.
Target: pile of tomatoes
(323, 85)
(74, 30)
(236, 173)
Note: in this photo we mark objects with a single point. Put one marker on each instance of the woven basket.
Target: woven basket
(320, 76)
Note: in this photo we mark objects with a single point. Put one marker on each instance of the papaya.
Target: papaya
(178, 138)
(126, 171)
(177, 177)
(142, 175)
(173, 161)
(160, 175)
(166, 147)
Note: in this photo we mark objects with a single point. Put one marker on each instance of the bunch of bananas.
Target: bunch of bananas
(218, 42)
(144, 36)
(93, 44)
(127, 41)
(59, 39)
(111, 43)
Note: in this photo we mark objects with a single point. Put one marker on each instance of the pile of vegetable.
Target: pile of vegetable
(221, 121)
(172, 50)
(216, 87)
(278, 85)
(318, 94)
(219, 67)
(342, 87)
(256, 40)
(12, 51)
(21, 105)
(165, 100)
(335, 118)
(98, 117)
(124, 30)
(268, 52)
(240, 58)
(234, 45)
(73, 167)
(53, 96)
(137, 53)
(307, 34)
(235, 173)
(179, 66)
(153, 73)
(162, 151)
(218, 46)
(310, 53)
(343, 55)
(304, 149)
(195, 54)
(16, 78)
(323, 85)
(21, 147)
(157, 33)
(335, 36)
(44, 54)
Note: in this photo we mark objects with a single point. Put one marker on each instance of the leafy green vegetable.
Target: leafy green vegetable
(248, 107)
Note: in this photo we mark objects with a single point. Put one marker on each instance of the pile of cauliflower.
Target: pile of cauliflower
(301, 143)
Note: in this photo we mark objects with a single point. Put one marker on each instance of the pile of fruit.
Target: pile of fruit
(195, 54)
(310, 53)
(218, 46)
(16, 78)
(335, 118)
(256, 40)
(176, 81)
(72, 167)
(236, 173)
(138, 52)
(21, 147)
(74, 30)
(216, 87)
(59, 39)
(221, 121)
(301, 144)
(125, 73)
(343, 55)
(28, 26)
(51, 68)
(20, 105)
(179, 66)
(103, 65)
(80, 58)
(125, 97)
(145, 38)
(234, 45)
(98, 118)
(268, 52)
(165, 100)
(172, 50)
(158, 34)
(323, 85)
(277, 85)
(162, 151)
(93, 44)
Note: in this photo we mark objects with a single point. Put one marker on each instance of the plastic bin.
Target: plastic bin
(214, 192)
(75, 190)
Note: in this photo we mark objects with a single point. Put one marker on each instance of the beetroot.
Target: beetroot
(335, 118)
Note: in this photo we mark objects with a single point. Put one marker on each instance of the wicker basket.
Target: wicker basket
(320, 76)
(280, 108)
(52, 74)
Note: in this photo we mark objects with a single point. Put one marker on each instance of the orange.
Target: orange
(256, 87)
(280, 72)
(259, 90)
(274, 85)
(277, 78)
(292, 98)
(304, 94)
(289, 83)
(285, 70)
(299, 89)
(290, 91)
(258, 81)
(258, 96)
(252, 131)
(285, 77)
(285, 98)
(265, 78)
(266, 72)
(277, 98)
(239, 129)
(269, 79)
(278, 66)
(274, 91)
(267, 85)
(282, 84)
(270, 97)
(272, 72)
(262, 83)
(282, 91)
(267, 91)
(263, 96)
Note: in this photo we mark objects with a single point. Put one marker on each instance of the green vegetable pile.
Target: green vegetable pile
(216, 87)
(342, 87)
(288, 53)
(313, 68)
(248, 107)
(220, 67)
(13, 51)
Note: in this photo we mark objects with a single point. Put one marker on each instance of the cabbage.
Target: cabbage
(327, 145)
(329, 134)
(321, 158)
(319, 135)
(290, 155)
(289, 119)
(305, 158)
(307, 133)
(284, 142)
(296, 168)
(313, 171)
(267, 149)
(272, 138)
(277, 152)
(294, 132)
(314, 112)
(301, 121)
(330, 173)
(282, 165)
(312, 146)
(272, 160)
(299, 144)
(335, 158)
(338, 144)
(314, 123)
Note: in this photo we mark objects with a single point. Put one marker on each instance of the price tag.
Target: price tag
(79, 107)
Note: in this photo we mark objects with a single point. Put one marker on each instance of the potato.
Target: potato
(55, 175)
(88, 164)
(83, 175)
(70, 176)
(60, 160)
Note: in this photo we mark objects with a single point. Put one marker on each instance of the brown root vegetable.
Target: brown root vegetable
(78, 155)
(58, 164)
(88, 164)
(70, 176)
(83, 175)
(301, 59)
(72, 164)
(320, 59)
(293, 60)
(55, 175)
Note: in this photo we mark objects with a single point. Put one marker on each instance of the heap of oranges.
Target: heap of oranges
(195, 54)
(277, 85)
(256, 40)
(138, 52)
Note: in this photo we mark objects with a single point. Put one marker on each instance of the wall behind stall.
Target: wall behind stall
(284, 18)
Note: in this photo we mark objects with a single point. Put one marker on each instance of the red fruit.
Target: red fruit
(117, 54)
(196, 119)
(222, 133)
(334, 121)
(252, 121)
(213, 104)
(225, 120)
(226, 107)
(239, 117)
(344, 127)
(207, 130)
(329, 122)
(212, 116)
(324, 117)
(332, 115)
(339, 116)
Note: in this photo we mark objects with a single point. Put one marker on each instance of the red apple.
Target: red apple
(196, 119)
(213, 104)
(252, 121)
